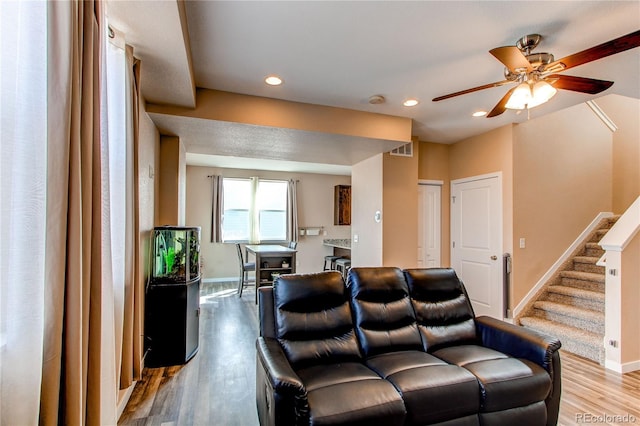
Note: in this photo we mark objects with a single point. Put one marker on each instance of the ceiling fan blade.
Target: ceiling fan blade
(579, 84)
(512, 58)
(474, 89)
(501, 106)
(603, 50)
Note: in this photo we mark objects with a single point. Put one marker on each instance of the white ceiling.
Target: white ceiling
(339, 53)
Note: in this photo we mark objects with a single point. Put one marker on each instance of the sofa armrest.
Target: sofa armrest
(281, 395)
(518, 342)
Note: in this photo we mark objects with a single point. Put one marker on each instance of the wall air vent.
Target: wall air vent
(405, 150)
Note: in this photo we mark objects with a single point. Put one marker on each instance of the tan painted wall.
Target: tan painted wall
(548, 155)
(400, 209)
(148, 166)
(366, 199)
(433, 164)
(625, 113)
(172, 176)
(562, 180)
(237, 108)
(315, 208)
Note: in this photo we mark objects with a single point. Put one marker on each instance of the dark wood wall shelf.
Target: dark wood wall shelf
(342, 205)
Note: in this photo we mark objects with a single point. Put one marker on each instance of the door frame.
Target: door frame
(500, 231)
(439, 184)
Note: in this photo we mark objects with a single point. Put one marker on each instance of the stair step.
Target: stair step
(586, 280)
(593, 249)
(586, 259)
(572, 296)
(587, 264)
(574, 340)
(585, 319)
(598, 234)
(584, 276)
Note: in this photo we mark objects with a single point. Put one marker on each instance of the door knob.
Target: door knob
(494, 257)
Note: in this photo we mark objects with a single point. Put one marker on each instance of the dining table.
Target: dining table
(271, 260)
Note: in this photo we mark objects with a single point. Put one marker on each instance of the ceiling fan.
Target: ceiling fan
(536, 74)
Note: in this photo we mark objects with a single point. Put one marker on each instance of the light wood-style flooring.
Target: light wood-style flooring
(217, 386)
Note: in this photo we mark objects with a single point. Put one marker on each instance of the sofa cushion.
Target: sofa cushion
(313, 319)
(350, 393)
(505, 382)
(443, 310)
(432, 390)
(383, 315)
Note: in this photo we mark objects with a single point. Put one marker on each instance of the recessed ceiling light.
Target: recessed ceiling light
(410, 102)
(479, 113)
(273, 80)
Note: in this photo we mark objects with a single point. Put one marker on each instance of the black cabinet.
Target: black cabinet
(172, 323)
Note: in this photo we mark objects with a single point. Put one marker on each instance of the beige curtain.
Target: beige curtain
(77, 375)
(133, 326)
(292, 209)
(217, 208)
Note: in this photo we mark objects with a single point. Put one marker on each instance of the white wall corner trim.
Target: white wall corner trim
(565, 256)
(602, 115)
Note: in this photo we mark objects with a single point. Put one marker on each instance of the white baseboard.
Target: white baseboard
(219, 280)
(627, 367)
(565, 256)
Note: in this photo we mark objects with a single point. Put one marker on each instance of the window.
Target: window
(254, 210)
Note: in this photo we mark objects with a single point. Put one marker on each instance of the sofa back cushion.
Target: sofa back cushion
(313, 319)
(384, 318)
(443, 310)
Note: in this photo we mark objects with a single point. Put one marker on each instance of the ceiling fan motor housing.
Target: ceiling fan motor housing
(529, 42)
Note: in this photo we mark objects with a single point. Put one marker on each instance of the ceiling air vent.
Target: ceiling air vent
(405, 150)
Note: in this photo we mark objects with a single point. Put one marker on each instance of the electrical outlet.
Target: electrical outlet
(523, 243)
(355, 238)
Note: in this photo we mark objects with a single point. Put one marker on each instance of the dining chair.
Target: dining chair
(245, 268)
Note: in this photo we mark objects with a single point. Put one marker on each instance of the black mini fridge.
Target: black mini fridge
(173, 297)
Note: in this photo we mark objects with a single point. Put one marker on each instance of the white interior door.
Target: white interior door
(429, 225)
(476, 241)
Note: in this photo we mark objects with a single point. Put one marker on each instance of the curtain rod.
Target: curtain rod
(210, 176)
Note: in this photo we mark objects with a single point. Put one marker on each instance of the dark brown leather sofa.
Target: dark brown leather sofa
(395, 347)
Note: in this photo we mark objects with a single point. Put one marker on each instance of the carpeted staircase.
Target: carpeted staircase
(571, 304)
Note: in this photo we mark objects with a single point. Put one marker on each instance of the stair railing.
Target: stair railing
(622, 296)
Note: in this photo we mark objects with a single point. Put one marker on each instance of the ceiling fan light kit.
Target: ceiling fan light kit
(530, 95)
(536, 74)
